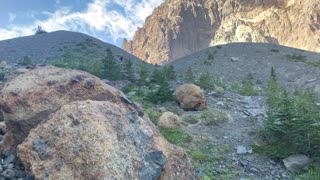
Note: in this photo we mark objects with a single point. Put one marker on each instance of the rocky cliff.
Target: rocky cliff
(180, 27)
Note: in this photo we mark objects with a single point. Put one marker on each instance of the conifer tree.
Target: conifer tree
(189, 76)
(111, 69)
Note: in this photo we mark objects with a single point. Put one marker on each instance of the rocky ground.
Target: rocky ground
(227, 144)
(235, 137)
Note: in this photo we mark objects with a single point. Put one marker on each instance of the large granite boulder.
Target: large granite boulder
(191, 97)
(102, 140)
(30, 97)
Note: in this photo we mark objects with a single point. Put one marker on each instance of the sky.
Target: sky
(108, 20)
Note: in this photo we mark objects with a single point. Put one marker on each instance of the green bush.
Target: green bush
(153, 115)
(205, 80)
(199, 156)
(275, 50)
(218, 81)
(26, 61)
(213, 117)
(247, 87)
(311, 174)
(177, 136)
(191, 119)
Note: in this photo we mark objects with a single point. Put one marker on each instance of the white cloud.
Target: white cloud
(97, 18)
(12, 17)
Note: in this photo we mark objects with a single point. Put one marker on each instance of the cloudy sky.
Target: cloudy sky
(108, 20)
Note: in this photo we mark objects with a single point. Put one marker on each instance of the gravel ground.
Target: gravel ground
(247, 115)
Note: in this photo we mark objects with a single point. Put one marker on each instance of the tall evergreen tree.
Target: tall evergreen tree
(143, 74)
(128, 71)
(111, 69)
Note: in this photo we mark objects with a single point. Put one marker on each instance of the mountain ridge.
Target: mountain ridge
(178, 28)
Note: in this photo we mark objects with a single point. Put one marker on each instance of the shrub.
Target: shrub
(296, 58)
(153, 115)
(26, 61)
(311, 174)
(205, 80)
(191, 119)
(210, 56)
(275, 50)
(218, 81)
(248, 88)
(213, 117)
(199, 156)
(177, 136)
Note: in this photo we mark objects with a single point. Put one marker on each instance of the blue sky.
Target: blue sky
(108, 20)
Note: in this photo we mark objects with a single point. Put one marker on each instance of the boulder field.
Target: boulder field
(68, 124)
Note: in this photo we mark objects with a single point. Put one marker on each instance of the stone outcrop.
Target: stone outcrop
(30, 97)
(191, 97)
(180, 27)
(296, 163)
(101, 140)
(169, 120)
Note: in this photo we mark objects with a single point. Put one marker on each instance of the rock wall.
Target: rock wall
(180, 27)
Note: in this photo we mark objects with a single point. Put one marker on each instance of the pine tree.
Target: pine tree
(163, 93)
(143, 74)
(111, 69)
(170, 73)
(128, 71)
(157, 75)
(189, 76)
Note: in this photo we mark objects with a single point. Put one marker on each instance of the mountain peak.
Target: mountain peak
(178, 28)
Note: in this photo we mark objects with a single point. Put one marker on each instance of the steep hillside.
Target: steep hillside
(59, 47)
(234, 62)
(178, 27)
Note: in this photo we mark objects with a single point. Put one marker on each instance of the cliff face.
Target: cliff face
(180, 27)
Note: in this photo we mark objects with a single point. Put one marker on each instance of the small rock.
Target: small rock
(9, 173)
(254, 169)
(21, 174)
(220, 103)
(244, 162)
(295, 163)
(162, 109)
(243, 150)
(9, 160)
(10, 166)
(106, 81)
(234, 59)
(131, 93)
